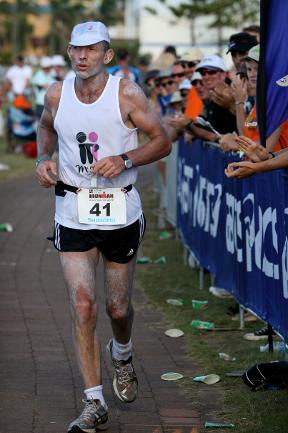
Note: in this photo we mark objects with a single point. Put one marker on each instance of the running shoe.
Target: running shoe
(94, 417)
(125, 383)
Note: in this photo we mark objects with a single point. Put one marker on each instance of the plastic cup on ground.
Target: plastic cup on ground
(218, 425)
(171, 376)
(6, 227)
(208, 379)
(176, 302)
(174, 333)
(199, 305)
(199, 324)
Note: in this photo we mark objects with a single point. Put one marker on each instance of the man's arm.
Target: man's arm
(244, 169)
(137, 113)
(47, 138)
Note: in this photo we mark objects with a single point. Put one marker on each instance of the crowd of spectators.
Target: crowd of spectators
(195, 94)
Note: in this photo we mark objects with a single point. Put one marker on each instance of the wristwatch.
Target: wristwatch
(127, 161)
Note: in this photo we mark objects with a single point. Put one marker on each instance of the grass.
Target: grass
(259, 412)
(19, 165)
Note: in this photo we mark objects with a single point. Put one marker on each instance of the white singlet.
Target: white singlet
(86, 134)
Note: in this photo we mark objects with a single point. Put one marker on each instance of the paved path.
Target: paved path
(40, 386)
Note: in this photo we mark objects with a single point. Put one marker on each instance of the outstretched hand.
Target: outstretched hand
(254, 151)
(44, 171)
(241, 169)
(222, 95)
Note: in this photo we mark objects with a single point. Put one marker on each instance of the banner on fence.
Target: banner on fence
(237, 229)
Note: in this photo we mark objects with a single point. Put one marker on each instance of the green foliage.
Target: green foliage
(14, 27)
(232, 401)
(224, 13)
(232, 14)
(111, 11)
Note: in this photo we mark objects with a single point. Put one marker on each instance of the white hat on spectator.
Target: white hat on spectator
(212, 62)
(46, 62)
(185, 85)
(176, 97)
(191, 55)
(196, 77)
(58, 60)
(164, 73)
(253, 54)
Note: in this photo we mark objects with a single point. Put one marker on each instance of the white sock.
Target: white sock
(121, 351)
(96, 393)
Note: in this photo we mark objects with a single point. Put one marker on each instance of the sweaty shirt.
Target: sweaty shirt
(86, 134)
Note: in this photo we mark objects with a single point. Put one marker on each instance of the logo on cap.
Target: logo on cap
(283, 82)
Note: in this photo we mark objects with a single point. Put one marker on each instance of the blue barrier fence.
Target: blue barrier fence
(237, 229)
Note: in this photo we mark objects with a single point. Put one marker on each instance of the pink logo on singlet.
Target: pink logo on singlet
(88, 147)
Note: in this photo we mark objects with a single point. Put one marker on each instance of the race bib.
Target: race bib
(102, 206)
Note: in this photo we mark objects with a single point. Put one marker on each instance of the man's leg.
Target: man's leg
(118, 284)
(79, 269)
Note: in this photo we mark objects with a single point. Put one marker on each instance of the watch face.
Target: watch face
(128, 163)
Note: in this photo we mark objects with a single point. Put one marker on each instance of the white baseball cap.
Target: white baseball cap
(185, 85)
(253, 54)
(213, 62)
(196, 77)
(58, 60)
(46, 62)
(89, 33)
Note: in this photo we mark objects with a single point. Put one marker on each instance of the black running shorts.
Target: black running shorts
(118, 245)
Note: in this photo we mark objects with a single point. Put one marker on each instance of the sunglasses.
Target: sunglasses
(180, 75)
(168, 83)
(208, 72)
(188, 64)
(195, 82)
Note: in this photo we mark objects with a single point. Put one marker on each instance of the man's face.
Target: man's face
(167, 86)
(178, 73)
(89, 60)
(211, 78)
(237, 57)
(201, 90)
(189, 67)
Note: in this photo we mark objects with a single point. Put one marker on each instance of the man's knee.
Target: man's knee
(84, 308)
(118, 312)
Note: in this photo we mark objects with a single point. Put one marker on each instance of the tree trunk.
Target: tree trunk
(192, 31)
(15, 35)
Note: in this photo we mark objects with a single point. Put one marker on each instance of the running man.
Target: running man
(93, 120)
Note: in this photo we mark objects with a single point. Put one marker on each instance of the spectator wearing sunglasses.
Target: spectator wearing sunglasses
(214, 77)
(200, 89)
(189, 61)
(152, 90)
(178, 73)
(166, 87)
(184, 89)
